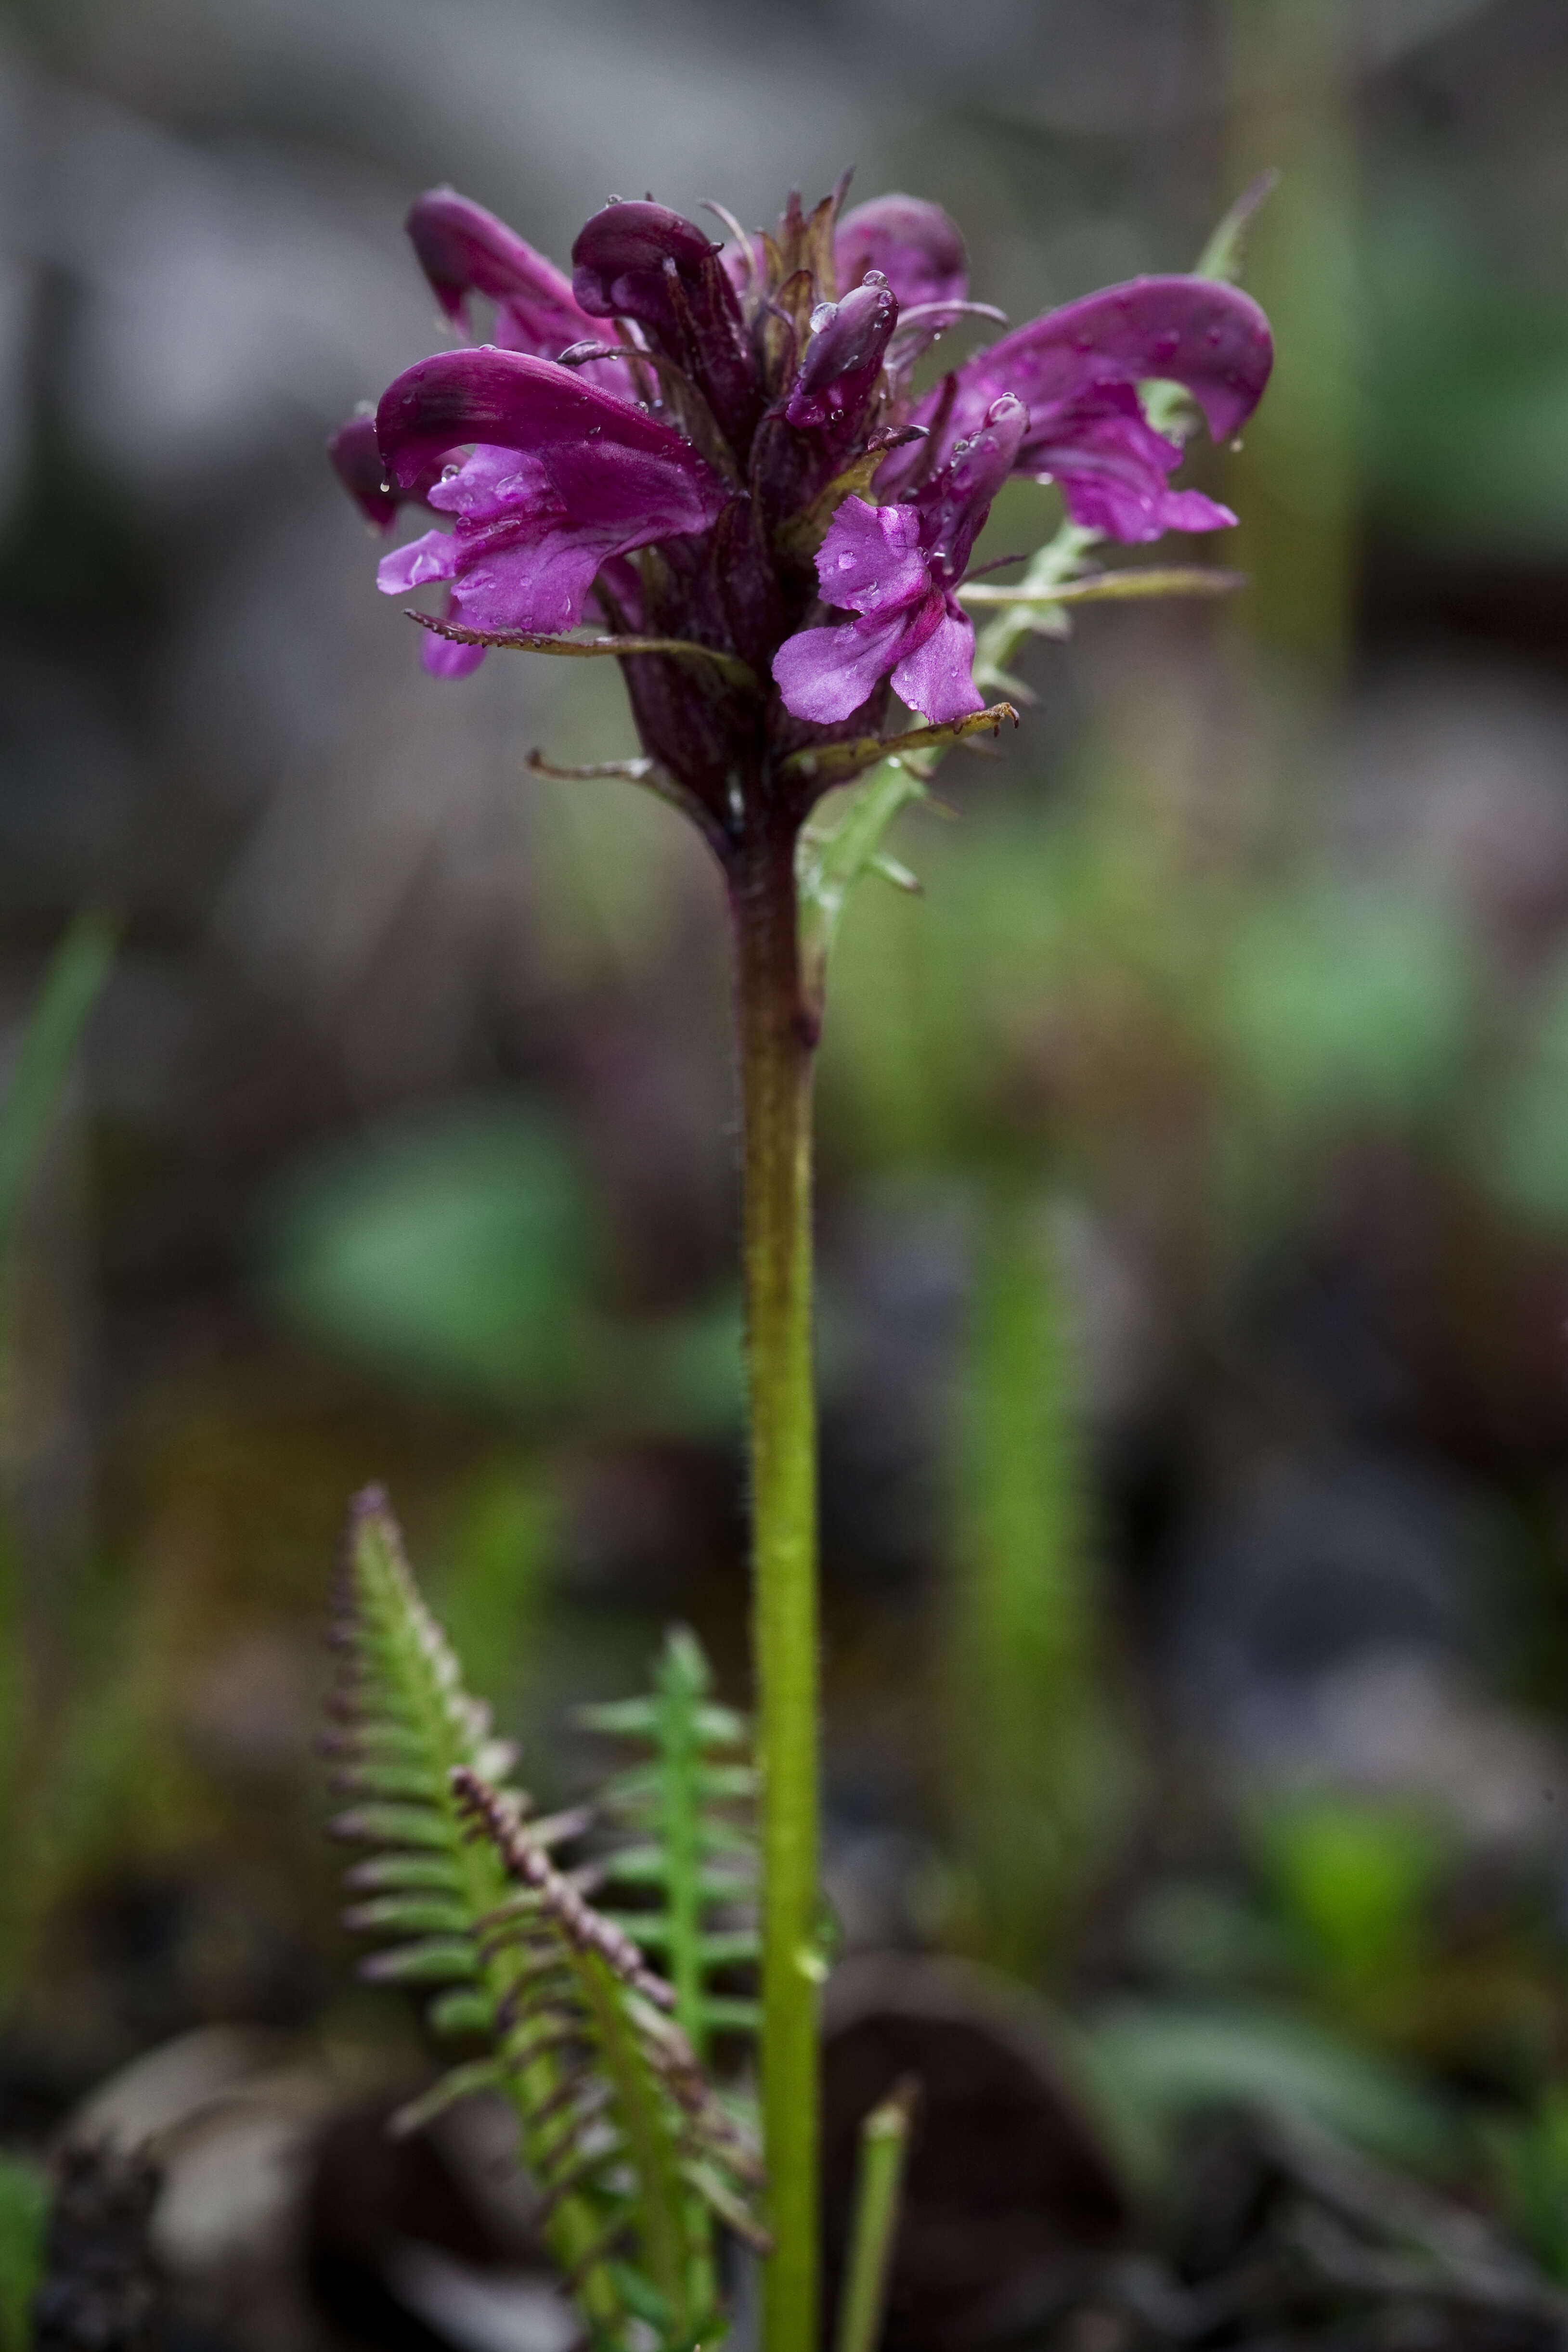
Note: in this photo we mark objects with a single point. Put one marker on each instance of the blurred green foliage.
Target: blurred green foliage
(24, 2222)
(460, 1254)
(1520, 1147)
(1530, 2160)
(1153, 2066)
(451, 1250)
(1353, 1884)
(1339, 1002)
(491, 1590)
(1468, 405)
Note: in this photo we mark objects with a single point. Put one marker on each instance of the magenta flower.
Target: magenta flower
(712, 452)
(895, 567)
(562, 478)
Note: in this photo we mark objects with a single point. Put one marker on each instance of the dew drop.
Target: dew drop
(874, 278)
(1236, 446)
(845, 562)
(616, 200)
(823, 316)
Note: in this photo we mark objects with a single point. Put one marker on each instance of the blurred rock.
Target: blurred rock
(99, 2289)
(1307, 1568)
(1010, 2196)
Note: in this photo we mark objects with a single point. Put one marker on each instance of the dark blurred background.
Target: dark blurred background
(1194, 1153)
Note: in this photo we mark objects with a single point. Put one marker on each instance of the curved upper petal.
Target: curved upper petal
(618, 261)
(464, 250)
(916, 246)
(357, 461)
(592, 446)
(643, 261)
(1195, 331)
(560, 479)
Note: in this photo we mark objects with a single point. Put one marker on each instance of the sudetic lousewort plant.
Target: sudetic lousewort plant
(709, 460)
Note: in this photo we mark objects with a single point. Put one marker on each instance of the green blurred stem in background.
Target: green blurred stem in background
(48, 1043)
(1031, 1768)
(1296, 485)
(50, 1040)
(776, 1038)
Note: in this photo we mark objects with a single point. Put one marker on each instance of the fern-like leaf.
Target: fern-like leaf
(690, 1862)
(630, 2151)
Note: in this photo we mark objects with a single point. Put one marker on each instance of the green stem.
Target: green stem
(776, 1042)
(884, 2142)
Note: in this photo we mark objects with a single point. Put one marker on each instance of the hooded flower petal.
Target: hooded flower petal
(1195, 331)
(465, 250)
(645, 262)
(619, 261)
(844, 357)
(356, 457)
(565, 477)
(915, 245)
(1077, 370)
(571, 428)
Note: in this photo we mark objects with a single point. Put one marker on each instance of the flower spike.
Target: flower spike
(715, 447)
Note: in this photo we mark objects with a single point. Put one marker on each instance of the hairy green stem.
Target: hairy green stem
(776, 1042)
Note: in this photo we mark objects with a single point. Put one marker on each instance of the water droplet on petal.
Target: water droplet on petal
(874, 278)
(823, 316)
(846, 563)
